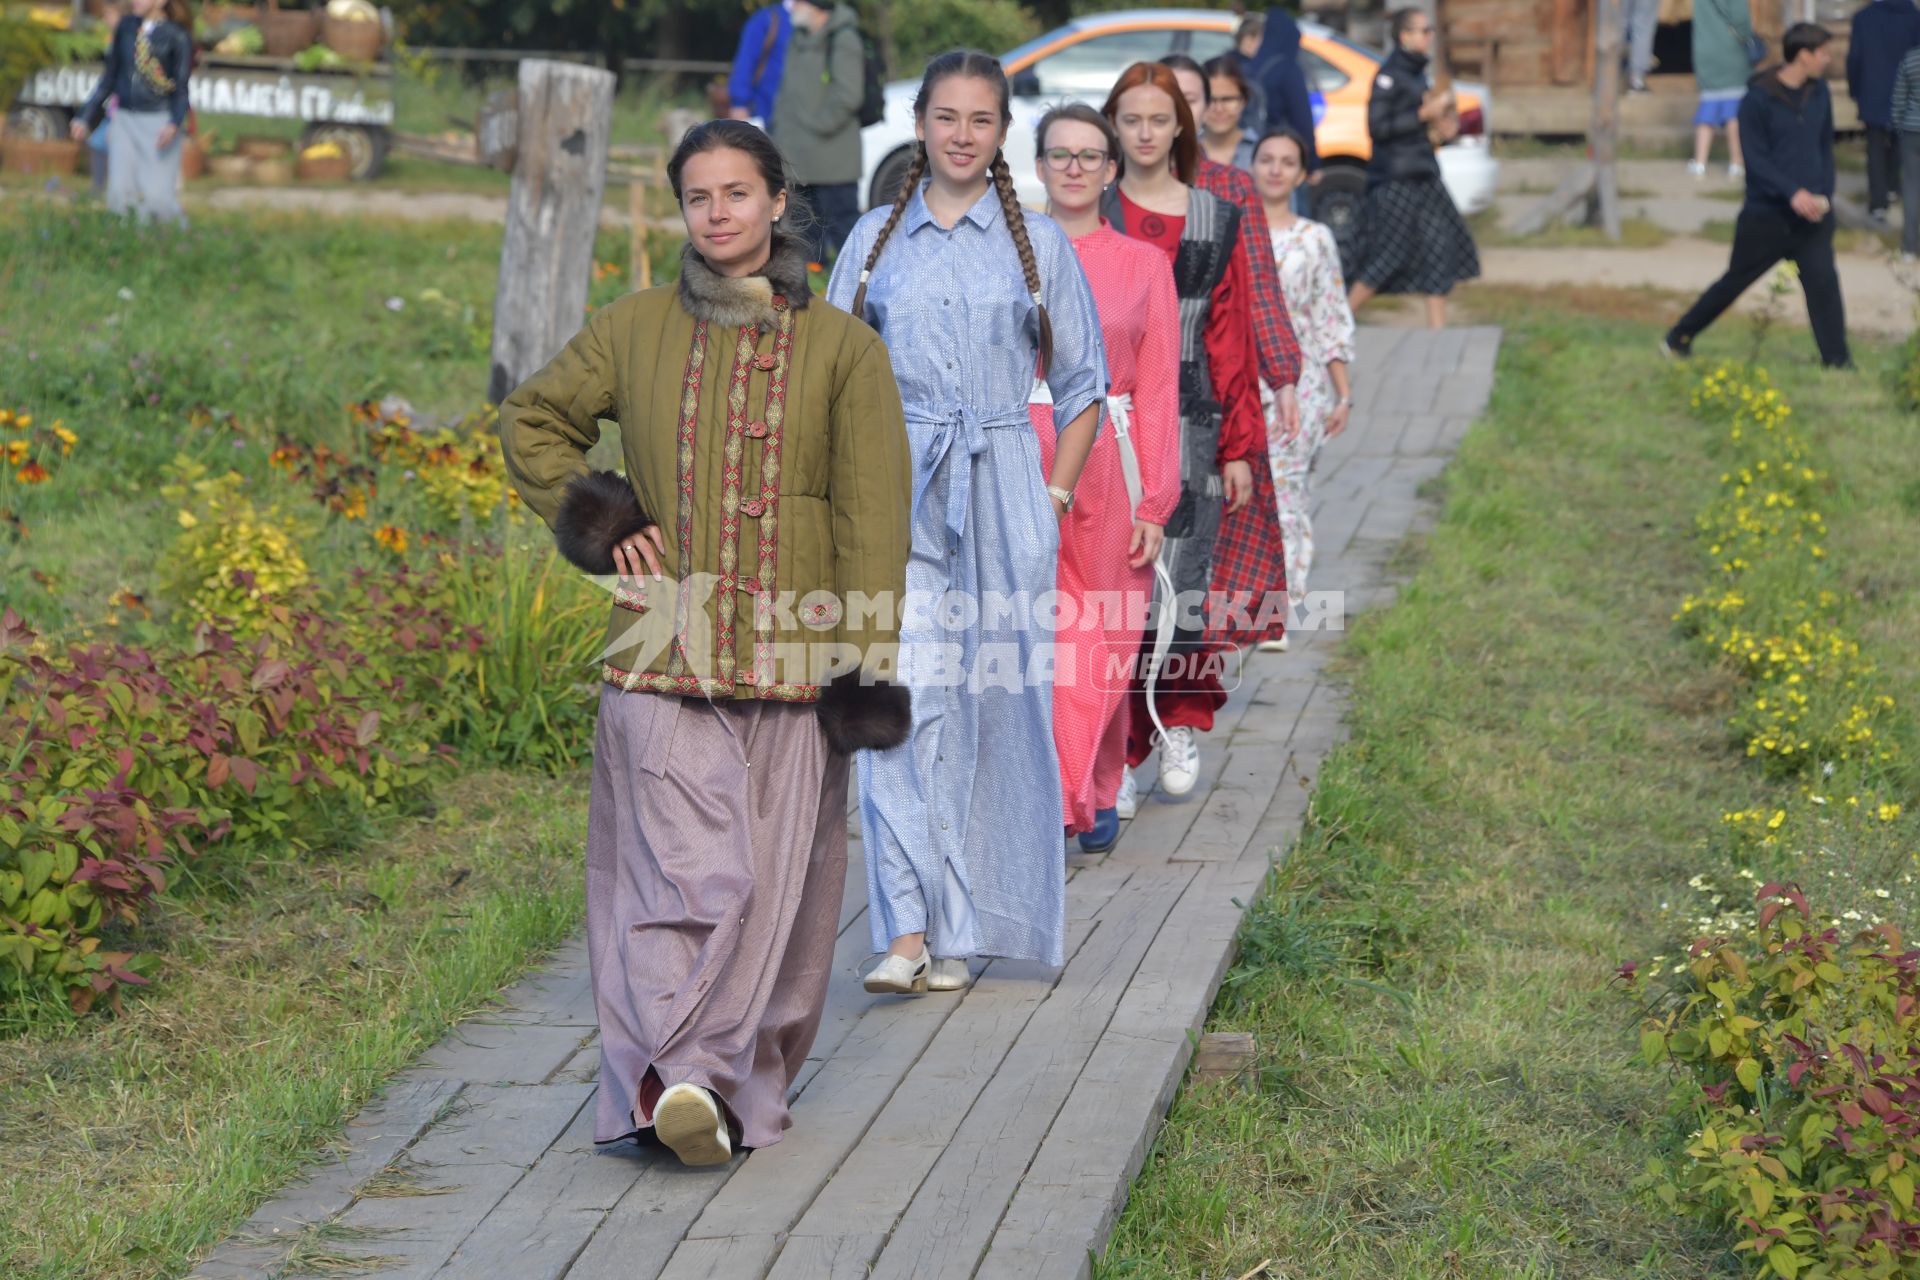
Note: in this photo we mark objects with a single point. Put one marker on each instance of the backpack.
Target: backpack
(873, 89)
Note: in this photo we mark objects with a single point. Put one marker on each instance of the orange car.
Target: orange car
(1081, 60)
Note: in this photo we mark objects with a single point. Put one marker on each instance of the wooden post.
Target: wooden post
(1225, 1055)
(553, 214)
(1604, 210)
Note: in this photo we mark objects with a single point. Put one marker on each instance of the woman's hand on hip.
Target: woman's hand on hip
(638, 552)
(1145, 545)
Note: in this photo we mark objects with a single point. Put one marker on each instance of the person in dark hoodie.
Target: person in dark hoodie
(1283, 85)
(1882, 33)
(1786, 126)
(1412, 237)
(146, 72)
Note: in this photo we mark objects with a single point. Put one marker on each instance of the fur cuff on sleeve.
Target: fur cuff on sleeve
(864, 717)
(597, 510)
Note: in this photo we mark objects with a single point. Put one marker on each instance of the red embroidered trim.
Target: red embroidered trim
(724, 604)
(689, 422)
(704, 686)
(774, 417)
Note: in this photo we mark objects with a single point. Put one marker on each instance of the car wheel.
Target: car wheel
(888, 178)
(1336, 202)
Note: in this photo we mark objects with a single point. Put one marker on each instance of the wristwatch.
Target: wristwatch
(1065, 496)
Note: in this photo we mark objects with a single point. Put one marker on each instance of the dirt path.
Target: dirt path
(1880, 295)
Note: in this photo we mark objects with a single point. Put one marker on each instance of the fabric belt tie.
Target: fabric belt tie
(962, 433)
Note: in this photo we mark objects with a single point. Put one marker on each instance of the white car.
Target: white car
(1081, 60)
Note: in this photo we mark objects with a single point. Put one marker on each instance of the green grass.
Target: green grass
(1537, 762)
(210, 342)
(1845, 239)
(292, 990)
(1635, 233)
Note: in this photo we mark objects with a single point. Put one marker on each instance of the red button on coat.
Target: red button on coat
(764, 363)
(751, 586)
(758, 430)
(753, 507)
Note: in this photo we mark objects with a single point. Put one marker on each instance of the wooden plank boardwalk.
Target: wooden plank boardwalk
(989, 1134)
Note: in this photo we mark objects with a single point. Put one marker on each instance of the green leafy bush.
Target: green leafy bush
(124, 759)
(1799, 1062)
(923, 28)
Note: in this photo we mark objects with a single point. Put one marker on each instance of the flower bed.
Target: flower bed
(1793, 1016)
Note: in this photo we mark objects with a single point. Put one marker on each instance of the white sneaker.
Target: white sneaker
(1695, 169)
(1179, 760)
(1126, 803)
(1273, 646)
(949, 975)
(688, 1120)
(1735, 172)
(899, 976)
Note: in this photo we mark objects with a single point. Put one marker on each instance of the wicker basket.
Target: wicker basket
(323, 168)
(230, 168)
(26, 155)
(285, 32)
(193, 160)
(273, 173)
(354, 41)
(255, 147)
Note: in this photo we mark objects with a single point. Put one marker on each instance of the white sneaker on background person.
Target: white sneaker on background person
(1696, 169)
(1126, 803)
(1179, 760)
(1735, 172)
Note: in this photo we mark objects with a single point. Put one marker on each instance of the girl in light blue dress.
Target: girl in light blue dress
(961, 824)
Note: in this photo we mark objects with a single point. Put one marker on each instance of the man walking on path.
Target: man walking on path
(1786, 124)
(1883, 32)
(816, 118)
(758, 61)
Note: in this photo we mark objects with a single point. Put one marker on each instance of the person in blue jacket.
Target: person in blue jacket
(1882, 33)
(759, 62)
(1786, 126)
(1276, 69)
(146, 73)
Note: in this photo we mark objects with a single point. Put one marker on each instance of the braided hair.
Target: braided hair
(980, 66)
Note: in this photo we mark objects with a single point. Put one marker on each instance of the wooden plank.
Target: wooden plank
(844, 1096)
(372, 1140)
(1066, 1204)
(955, 1210)
(642, 1231)
(540, 1226)
(874, 1184)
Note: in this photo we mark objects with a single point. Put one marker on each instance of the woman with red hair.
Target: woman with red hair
(1222, 434)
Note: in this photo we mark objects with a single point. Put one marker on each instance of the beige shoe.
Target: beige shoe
(949, 975)
(1273, 646)
(899, 976)
(688, 1120)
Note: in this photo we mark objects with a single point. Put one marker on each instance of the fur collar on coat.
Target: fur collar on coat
(743, 300)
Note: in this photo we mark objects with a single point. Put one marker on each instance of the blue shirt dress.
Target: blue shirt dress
(961, 823)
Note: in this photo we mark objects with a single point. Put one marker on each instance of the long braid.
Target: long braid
(1017, 224)
(915, 171)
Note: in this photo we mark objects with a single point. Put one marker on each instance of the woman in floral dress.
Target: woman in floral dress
(1322, 321)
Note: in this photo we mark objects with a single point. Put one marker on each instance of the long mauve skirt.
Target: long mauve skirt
(716, 859)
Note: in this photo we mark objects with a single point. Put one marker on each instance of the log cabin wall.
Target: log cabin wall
(1548, 43)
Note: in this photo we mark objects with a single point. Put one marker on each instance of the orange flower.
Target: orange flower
(392, 537)
(32, 473)
(17, 451)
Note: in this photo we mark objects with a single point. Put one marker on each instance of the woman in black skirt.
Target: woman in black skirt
(1412, 238)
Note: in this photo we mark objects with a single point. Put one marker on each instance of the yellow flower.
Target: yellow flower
(17, 451)
(1779, 816)
(32, 473)
(392, 537)
(1888, 812)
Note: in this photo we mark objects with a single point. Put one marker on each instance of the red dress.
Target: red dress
(1140, 323)
(1227, 337)
(1250, 559)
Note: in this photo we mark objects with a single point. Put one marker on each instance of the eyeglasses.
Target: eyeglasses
(1059, 159)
